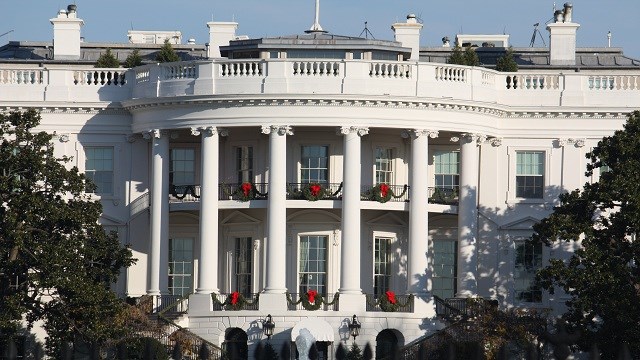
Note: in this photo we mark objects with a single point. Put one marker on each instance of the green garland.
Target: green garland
(306, 191)
(240, 304)
(319, 300)
(386, 306)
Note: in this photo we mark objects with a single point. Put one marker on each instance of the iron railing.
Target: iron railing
(184, 193)
(255, 191)
(222, 302)
(300, 191)
(404, 303)
(444, 196)
(397, 193)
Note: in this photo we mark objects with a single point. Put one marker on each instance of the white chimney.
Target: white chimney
(409, 35)
(66, 34)
(562, 43)
(220, 33)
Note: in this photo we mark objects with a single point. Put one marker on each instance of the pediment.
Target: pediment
(389, 219)
(521, 224)
(239, 218)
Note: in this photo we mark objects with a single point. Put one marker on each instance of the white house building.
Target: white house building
(259, 171)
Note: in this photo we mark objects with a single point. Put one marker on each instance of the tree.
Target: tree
(506, 62)
(107, 60)
(56, 261)
(602, 276)
(354, 353)
(467, 57)
(471, 57)
(167, 53)
(134, 59)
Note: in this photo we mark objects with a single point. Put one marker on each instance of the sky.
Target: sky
(109, 21)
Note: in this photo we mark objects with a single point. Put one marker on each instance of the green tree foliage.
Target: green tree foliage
(602, 276)
(506, 62)
(355, 353)
(107, 60)
(134, 59)
(470, 57)
(467, 57)
(56, 261)
(167, 53)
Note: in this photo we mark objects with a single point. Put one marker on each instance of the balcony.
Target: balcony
(326, 302)
(235, 302)
(390, 303)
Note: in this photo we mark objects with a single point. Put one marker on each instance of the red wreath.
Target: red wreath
(391, 297)
(246, 188)
(235, 296)
(311, 295)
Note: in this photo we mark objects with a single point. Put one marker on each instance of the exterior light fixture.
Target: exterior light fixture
(268, 325)
(354, 327)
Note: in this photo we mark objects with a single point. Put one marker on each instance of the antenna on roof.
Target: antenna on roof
(419, 18)
(316, 28)
(366, 32)
(533, 37)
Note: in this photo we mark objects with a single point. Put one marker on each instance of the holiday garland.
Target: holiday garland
(181, 191)
(234, 301)
(389, 303)
(311, 300)
(383, 193)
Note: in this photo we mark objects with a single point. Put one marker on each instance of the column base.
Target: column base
(353, 302)
(270, 302)
(200, 303)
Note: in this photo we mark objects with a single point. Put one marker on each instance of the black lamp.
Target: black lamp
(354, 327)
(268, 325)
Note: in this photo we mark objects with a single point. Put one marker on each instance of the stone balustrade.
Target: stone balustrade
(392, 79)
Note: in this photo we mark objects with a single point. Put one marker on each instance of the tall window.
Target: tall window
(183, 166)
(528, 261)
(529, 174)
(313, 264)
(447, 169)
(445, 255)
(314, 165)
(384, 165)
(244, 265)
(244, 163)
(381, 265)
(180, 266)
(99, 168)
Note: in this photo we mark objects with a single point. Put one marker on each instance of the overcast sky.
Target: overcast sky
(108, 21)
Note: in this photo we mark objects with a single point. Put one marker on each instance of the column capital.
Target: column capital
(209, 131)
(496, 141)
(576, 142)
(279, 129)
(479, 139)
(416, 133)
(152, 134)
(361, 131)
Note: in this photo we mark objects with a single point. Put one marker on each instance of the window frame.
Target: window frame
(512, 174)
(117, 153)
(193, 265)
(523, 242)
(252, 259)
(329, 169)
(236, 162)
(392, 163)
(327, 261)
(389, 262)
(195, 162)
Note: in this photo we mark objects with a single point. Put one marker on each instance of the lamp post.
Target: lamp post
(268, 325)
(354, 327)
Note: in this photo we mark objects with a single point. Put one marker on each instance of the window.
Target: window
(529, 174)
(316, 54)
(314, 164)
(243, 265)
(183, 164)
(99, 168)
(381, 265)
(313, 264)
(445, 255)
(528, 261)
(384, 165)
(244, 163)
(447, 170)
(180, 266)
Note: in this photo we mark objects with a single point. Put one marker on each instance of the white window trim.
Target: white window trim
(229, 250)
(297, 153)
(513, 242)
(117, 195)
(395, 161)
(511, 192)
(432, 161)
(394, 258)
(333, 274)
(231, 163)
(196, 159)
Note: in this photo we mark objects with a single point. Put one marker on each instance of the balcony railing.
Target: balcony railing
(306, 191)
(403, 303)
(393, 193)
(329, 302)
(226, 302)
(184, 193)
(243, 191)
(444, 196)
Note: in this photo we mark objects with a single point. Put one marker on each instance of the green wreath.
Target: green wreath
(313, 191)
(382, 193)
(246, 191)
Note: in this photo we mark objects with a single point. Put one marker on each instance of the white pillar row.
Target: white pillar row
(209, 178)
(159, 226)
(468, 214)
(418, 273)
(350, 251)
(277, 209)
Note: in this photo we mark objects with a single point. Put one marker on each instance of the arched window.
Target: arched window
(235, 344)
(386, 343)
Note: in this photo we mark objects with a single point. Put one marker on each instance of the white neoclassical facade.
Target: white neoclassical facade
(349, 167)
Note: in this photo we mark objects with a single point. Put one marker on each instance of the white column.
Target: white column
(418, 274)
(208, 264)
(277, 209)
(468, 214)
(159, 227)
(350, 254)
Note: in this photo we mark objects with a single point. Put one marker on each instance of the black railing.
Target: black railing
(301, 191)
(330, 302)
(225, 302)
(457, 308)
(243, 191)
(404, 303)
(184, 193)
(444, 196)
(395, 193)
